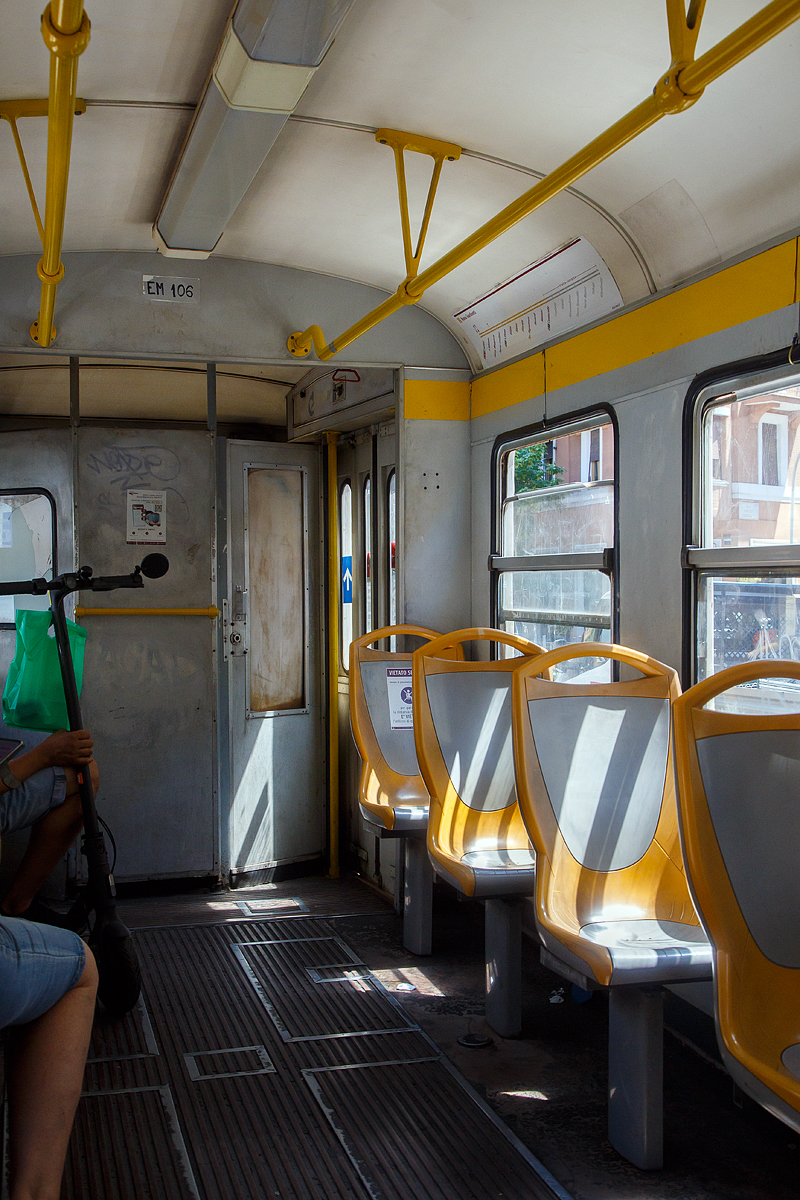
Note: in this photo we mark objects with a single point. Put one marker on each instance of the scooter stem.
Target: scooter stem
(101, 881)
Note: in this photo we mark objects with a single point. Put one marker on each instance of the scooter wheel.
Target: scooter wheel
(118, 968)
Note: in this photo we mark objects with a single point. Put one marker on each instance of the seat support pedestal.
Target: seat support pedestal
(417, 896)
(503, 948)
(635, 1074)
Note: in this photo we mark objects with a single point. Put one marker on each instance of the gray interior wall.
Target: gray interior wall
(436, 523)
(149, 686)
(243, 312)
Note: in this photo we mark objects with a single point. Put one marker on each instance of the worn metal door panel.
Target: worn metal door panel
(149, 683)
(277, 725)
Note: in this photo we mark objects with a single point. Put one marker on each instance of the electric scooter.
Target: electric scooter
(110, 940)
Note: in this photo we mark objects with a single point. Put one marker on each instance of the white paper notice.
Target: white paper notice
(147, 517)
(398, 685)
(566, 289)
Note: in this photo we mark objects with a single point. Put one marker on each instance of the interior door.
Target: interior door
(272, 647)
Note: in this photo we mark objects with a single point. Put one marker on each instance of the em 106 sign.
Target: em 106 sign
(170, 289)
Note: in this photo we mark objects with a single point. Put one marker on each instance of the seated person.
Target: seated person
(43, 796)
(48, 977)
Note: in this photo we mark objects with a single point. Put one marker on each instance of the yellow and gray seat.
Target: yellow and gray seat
(739, 793)
(476, 838)
(596, 791)
(392, 795)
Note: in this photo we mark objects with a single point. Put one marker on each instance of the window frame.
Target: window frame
(729, 383)
(607, 560)
(48, 495)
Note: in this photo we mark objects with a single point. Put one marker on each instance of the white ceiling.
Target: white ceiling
(525, 81)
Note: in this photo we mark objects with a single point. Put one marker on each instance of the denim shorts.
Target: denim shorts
(38, 795)
(38, 965)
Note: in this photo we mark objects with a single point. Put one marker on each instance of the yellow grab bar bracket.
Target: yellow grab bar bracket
(299, 344)
(11, 111)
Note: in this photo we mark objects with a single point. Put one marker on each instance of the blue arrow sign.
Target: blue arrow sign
(347, 579)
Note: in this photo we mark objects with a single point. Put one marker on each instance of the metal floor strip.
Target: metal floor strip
(268, 1061)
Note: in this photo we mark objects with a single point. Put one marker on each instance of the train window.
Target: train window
(346, 552)
(391, 547)
(366, 525)
(27, 546)
(746, 581)
(556, 532)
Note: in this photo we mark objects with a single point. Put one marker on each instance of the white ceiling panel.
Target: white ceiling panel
(147, 50)
(526, 81)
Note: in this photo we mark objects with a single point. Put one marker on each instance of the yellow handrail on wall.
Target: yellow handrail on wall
(65, 29)
(676, 90)
(211, 612)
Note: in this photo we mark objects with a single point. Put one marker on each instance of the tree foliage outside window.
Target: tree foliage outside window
(534, 468)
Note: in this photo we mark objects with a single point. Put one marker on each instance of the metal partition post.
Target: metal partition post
(417, 896)
(503, 948)
(333, 654)
(635, 1074)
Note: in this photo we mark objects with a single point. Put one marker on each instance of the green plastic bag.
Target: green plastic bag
(33, 697)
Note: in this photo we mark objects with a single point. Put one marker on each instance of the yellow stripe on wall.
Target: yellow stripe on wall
(435, 400)
(517, 382)
(750, 289)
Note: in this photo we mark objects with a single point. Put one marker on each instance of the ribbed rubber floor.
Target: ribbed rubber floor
(265, 1061)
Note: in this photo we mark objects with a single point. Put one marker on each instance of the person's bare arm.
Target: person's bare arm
(61, 749)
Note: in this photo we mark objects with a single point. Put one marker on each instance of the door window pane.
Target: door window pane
(367, 527)
(276, 589)
(346, 575)
(392, 548)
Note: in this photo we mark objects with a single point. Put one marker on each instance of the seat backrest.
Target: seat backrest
(462, 726)
(381, 714)
(739, 791)
(596, 792)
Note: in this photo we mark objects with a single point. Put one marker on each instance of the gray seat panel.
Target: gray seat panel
(752, 783)
(667, 949)
(604, 762)
(397, 745)
(471, 713)
(791, 1059)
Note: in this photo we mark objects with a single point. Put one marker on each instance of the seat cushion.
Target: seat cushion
(652, 951)
(502, 872)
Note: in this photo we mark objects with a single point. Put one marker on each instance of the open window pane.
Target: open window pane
(751, 453)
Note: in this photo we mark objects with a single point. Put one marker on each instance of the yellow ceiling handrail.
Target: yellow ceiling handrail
(65, 29)
(680, 87)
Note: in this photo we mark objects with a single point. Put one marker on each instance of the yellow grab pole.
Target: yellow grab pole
(333, 654)
(212, 611)
(674, 92)
(65, 29)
